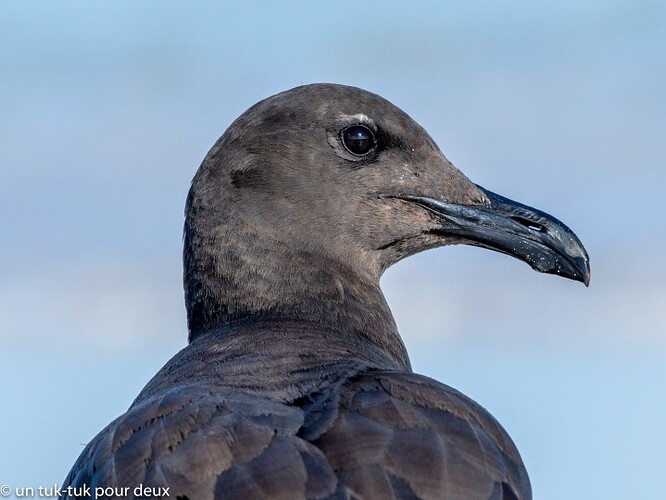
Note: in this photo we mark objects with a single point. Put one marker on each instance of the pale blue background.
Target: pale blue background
(106, 110)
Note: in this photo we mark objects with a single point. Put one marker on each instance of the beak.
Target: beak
(509, 227)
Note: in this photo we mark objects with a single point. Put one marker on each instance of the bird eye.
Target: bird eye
(358, 140)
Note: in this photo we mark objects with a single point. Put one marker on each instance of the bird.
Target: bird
(295, 382)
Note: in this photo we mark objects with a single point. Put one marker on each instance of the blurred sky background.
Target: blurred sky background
(107, 109)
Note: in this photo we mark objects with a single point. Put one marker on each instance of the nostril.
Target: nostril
(529, 224)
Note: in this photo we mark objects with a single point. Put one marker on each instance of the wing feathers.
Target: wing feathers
(379, 434)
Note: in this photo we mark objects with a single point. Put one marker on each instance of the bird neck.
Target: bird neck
(247, 284)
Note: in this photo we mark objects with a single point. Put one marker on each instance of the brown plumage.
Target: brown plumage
(296, 383)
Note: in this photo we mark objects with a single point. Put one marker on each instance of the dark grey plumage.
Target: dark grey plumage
(296, 383)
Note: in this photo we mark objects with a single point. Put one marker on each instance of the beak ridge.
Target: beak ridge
(509, 227)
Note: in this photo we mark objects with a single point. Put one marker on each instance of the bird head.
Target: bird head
(343, 172)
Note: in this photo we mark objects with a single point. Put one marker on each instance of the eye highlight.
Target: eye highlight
(358, 140)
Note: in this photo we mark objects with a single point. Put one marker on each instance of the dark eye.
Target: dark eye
(358, 139)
